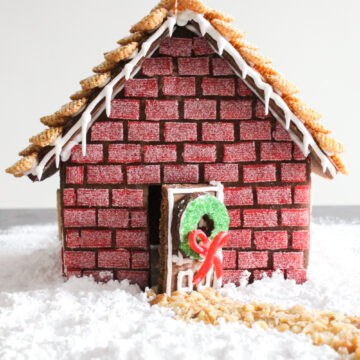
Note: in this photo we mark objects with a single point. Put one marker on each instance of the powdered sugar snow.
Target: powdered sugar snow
(44, 317)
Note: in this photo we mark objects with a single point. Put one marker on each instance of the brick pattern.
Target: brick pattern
(185, 118)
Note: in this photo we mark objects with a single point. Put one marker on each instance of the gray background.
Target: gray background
(47, 46)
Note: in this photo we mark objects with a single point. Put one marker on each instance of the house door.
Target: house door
(186, 208)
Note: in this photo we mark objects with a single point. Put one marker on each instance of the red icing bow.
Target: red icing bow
(208, 249)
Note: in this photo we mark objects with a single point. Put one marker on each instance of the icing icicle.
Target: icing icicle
(130, 69)
(108, 98)
(86, 119)
(172, 23)
(267, 94)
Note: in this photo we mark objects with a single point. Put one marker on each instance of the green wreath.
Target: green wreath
(196, 209)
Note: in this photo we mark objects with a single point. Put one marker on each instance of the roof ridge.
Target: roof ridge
(117, 59)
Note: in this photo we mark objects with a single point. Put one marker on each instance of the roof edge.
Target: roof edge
(195, 22)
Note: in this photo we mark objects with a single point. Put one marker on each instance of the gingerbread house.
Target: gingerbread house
(184, 130)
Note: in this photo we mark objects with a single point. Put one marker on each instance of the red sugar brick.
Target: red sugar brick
(79, 217)
(100, 275)
(200, 109)
(107, 131)
(149, 174)
(261, 274)
(233, 276)
(157, 66)
(178, 132)
(128, 198)
(176, 47)
(143, 131)
(125, 109)
(235, 109)
(104, 174)
(139, 219)
(252, 259)
(140, 260)
(179, 86)
(135, 277)
(202, 47)
(302, 194)
(221, 67)
(298, 154)
(94, 154)
(295, 217)
(69, 197)
(275, 151)
(293, 172)
(301, 240)
(234, 215)
(95, 238)
(243, 90)
(260, 111)
(259, 173)
(274, 195)
(73, 273)
(124, 153)
(229, 259)
(161, 110)
(181, 174)
(214, 131)
(238, 196)
(160, 153)
(221, 172)
(93, 197)
(74, 174)
(281, 134)
(199, 153)
(114, 259)
(193, 66)
(131, 239)
(299, 275)
(255, 130)
(79, 259)
(239, 239)
(260, 218)
(271, 240)
(141, 88)
(288, 260)
(113, 218)
(72, 239)
(218, 86)
(244, 151)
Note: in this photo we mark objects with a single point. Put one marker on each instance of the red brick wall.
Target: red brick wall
(186, 118)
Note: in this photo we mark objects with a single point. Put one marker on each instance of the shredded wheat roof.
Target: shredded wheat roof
(67, 124)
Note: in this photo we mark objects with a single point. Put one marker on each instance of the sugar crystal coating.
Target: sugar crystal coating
(199, 109)
(239, 239)
(131, 239)
(125, 109)
(252, 260)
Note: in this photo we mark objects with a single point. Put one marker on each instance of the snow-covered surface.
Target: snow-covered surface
(44, 317)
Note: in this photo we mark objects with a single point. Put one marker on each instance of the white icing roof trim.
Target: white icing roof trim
(108, 93)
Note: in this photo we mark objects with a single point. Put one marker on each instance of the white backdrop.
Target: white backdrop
(47, 46)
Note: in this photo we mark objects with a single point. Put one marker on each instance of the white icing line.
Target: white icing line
(190, 274)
